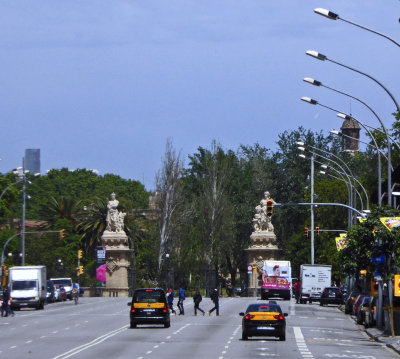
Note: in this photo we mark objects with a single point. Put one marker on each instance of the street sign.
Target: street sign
(378, 260)
(249, 269)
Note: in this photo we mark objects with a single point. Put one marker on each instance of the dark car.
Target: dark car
(351, 298)
(370, 315)
(149, 306)
(264, 319)
(357, 304)
(331, 295)
(51, 292)
(363, 310)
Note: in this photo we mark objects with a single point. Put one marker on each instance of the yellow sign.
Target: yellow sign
(341, 242)
(391, 222)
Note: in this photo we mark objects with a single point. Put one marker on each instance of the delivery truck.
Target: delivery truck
(276, 279)
(313, 279)
(27, 287)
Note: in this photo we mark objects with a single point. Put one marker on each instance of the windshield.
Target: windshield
(149, 296)
(65, 282)
(24, 285)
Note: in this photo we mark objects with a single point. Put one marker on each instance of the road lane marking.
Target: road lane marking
(88, 345)
(28, 341)
(301, 344)
(13, 347)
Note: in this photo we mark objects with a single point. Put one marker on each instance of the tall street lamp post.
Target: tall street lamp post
(322, 57)
(332, 16)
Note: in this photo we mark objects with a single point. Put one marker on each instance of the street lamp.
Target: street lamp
(344, 116)
(332, 16)
(322, 57)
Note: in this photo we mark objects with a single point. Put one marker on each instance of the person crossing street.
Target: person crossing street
(197, 298)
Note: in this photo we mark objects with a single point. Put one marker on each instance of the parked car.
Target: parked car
(363, 310)
(348, 306)
(370, 314)
(61, 292)
(331, 295)
(51, 292)
(357, 304)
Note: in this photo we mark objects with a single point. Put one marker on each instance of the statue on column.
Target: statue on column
(114, 219)
(262, 222)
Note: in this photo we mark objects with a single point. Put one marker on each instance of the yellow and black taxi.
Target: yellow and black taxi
(264, 319)
(149, 306)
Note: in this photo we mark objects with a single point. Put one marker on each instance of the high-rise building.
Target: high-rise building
(32, 160)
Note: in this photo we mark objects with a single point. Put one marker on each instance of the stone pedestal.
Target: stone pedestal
(118, 256)
(263, 247)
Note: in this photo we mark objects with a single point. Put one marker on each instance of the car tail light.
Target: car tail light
(340, 292)
(149, 290)
(164, 309)
(279, 317)
(248, 317)
(324, 291)
(133, 310)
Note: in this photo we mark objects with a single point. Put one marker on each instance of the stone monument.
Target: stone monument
(263, 241)
(118, 253)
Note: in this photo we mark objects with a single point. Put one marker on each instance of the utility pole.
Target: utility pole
(23, 212)
(312, 209)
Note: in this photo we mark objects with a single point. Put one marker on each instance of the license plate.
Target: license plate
(149, 310)
(331, 295)
(265, 328)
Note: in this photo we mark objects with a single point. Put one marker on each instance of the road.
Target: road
(98, 328)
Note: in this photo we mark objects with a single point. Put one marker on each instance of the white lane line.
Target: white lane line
(43, 336)
(301, 344)
(94, 342)
(28, 341)
(13, 347)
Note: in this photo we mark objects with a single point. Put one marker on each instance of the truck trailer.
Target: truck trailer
(27, 287)
(313, 279)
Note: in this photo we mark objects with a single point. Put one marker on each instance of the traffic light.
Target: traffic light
(306, 231)
(79, 270)
(62, 233)
(317, 231)
(79, 253)
(270, 207)
(396, 285)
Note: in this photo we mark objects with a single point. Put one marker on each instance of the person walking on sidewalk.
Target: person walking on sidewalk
(170, 300)
(180, 301)
(197, 298)
(5, 308)
(215, 298)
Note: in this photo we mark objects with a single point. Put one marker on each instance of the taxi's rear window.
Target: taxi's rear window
(264, 308)
(149, 296)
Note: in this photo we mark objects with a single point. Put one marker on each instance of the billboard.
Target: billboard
(276, 277)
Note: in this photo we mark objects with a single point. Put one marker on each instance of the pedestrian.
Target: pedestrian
(297, 291)
(215, 298)
(5, 307)
(197, 298)
(170, 300)
(181, 298)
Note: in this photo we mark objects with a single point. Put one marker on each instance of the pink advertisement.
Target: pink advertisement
(276, 277)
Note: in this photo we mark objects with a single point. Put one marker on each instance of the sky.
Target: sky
(103, 84)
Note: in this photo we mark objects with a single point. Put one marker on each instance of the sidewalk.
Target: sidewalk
(379, 336)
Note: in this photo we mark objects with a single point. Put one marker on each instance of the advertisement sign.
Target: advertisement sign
(101, 270)
(276, 277)
(341, 241)
(391, 222)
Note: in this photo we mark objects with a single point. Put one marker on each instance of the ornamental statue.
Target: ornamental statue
(114, 219)
(261, 221)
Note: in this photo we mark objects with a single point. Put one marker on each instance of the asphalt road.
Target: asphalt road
(98, 328)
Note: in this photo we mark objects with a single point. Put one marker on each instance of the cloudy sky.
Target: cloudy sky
(102, 84)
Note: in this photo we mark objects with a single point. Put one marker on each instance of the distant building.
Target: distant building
(32, 160)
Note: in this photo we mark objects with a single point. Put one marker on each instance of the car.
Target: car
(351, 298)
(263, 319)
(370, 314)
(51, 292)
(61, 292)
(66, 283)
(357, 304)
(331, 295)
(149, 306)
(363, 310)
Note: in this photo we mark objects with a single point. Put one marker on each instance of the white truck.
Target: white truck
(276, 279)
(27, 287)
(314, 278)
